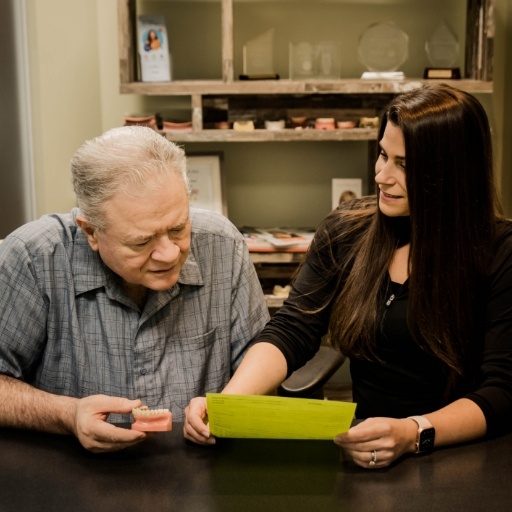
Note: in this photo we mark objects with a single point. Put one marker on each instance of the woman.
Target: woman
(414, 286)
(152, 41)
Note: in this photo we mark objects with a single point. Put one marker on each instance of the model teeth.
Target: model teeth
(144, 412)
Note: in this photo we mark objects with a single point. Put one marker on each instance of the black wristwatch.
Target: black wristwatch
(425, 436)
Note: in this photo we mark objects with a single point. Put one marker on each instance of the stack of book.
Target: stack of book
(480, 40)
(277, 244)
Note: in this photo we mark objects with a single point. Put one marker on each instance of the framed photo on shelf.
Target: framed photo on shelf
(207, 189)
(153, 49)
(345, 189)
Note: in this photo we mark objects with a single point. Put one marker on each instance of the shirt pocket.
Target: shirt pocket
(202, 364)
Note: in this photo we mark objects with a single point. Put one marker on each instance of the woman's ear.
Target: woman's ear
(90, 231)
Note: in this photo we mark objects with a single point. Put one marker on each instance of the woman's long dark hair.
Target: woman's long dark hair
(453, 209)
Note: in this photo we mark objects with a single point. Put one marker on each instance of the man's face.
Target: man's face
(148, 238)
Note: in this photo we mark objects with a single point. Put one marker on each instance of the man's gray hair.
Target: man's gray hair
(113, 162)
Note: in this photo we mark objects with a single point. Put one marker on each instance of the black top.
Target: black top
(408, 381)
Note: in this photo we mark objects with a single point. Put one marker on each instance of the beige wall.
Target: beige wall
(65, 94)
(73, 59)
(74, 87)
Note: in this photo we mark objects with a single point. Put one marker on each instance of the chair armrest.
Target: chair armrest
(308, 380)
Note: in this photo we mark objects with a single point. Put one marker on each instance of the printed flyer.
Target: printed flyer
(153, 49)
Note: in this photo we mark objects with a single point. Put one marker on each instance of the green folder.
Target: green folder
(273, 417)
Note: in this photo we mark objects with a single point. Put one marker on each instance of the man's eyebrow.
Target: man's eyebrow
(179, 226)
(144, 238)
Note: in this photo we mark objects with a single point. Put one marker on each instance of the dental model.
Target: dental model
(147, 420)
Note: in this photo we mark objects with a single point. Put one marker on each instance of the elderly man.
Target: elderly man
(132, 298)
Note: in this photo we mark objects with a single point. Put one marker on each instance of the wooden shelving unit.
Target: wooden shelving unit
(200, 93)
(197, 89)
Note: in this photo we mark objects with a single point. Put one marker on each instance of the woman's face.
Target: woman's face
(390, 173)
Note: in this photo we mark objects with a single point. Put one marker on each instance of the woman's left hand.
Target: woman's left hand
(377, 442)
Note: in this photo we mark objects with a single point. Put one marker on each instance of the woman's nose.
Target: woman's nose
(383, 172)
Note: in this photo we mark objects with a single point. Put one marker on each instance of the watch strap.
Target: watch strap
(421, 421)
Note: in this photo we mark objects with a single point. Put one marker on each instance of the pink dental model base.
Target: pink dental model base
(147, 420)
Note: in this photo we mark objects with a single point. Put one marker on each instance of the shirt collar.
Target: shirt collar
(91, 273)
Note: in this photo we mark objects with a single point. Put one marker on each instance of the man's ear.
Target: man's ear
(89, 231)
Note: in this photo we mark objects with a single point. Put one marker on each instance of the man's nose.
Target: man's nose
(165, 249)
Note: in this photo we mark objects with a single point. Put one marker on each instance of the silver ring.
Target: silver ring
(374, 457)
(371, 463)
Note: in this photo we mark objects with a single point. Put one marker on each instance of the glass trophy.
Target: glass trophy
(259, 58)
(442, 50)
(382, 49)
(302, 61)
(315, 61)
(327, 56)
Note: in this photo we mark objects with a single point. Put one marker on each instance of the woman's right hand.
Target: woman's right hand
(196, 426)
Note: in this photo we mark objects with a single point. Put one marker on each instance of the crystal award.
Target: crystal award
(383, 48)
(442, 50)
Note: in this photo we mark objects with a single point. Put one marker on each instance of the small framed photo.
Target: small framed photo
(153, 49)
(345, 190)
(207, 188)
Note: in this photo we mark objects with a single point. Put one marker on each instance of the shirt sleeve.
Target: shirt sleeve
(494, 393)
(22, 311)
(249, 312)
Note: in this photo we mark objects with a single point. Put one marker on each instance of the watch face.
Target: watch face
(427, 437)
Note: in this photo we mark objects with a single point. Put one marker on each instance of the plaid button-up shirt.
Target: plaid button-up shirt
(67, 327)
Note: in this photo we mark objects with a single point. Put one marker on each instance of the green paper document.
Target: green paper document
(274, 417)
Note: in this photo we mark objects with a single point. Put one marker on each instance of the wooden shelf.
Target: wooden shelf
(277, 257)
(226, 85)
(342, 86)
(287, 135)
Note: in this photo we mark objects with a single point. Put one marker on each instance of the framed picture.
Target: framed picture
(345, 189)
(207, 189)
(153, 49)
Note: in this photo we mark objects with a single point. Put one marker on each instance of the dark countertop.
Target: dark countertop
(43, 472)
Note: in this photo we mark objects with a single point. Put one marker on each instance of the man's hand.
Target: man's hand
(196, 427)
(92, 429)
(24, 406)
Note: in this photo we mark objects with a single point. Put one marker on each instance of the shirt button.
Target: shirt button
(143, 371)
